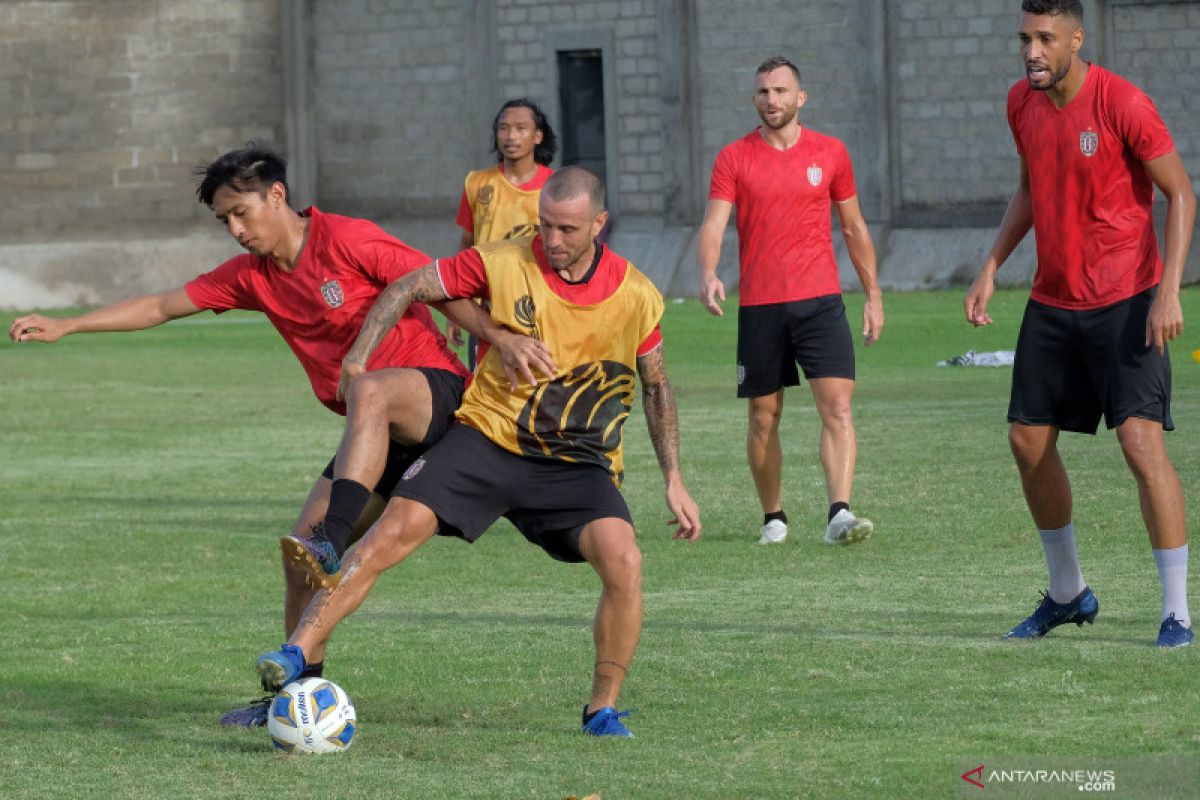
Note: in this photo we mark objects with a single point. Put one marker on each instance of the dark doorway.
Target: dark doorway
(581, 98)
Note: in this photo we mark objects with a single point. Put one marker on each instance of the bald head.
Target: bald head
(570, 182)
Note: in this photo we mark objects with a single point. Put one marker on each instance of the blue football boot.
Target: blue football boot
(606, 722)
(280, 668)
(1049, 615)
(252, 716)
(1172, 633)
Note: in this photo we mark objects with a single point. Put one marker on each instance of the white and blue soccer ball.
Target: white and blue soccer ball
(312, 716)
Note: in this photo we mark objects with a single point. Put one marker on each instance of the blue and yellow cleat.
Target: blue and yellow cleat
(606, 722)
(1172, 633)
(315, 556)
(280, 668)
(1049, 615)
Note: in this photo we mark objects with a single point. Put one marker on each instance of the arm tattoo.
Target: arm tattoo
(418, 286)
(662, 419)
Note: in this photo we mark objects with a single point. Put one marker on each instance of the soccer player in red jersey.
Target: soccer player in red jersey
(1104, 305)
(315, 276)
(501, 202)
(783, 179)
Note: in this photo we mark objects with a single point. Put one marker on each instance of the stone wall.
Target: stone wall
(107, 107)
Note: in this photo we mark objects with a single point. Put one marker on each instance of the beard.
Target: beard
(1055, 78)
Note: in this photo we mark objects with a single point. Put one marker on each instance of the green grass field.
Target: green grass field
(147, 476)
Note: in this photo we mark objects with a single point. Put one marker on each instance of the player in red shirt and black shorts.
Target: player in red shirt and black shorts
(315, 276)
(1093, 340)
(784, 180)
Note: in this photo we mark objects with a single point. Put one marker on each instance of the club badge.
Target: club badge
(1089, 142)
(485, 195)
(814, 175)
(332, 292)
(413, 469)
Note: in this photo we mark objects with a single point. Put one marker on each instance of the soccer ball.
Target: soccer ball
(312, 716)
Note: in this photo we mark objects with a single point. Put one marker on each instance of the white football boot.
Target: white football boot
(845, 528)
(773, 532)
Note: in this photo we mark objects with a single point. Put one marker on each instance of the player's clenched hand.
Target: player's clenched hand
(710, 289)
(522, 355)
(1164, 322)
(455, 334)
(36, 328)
(687, 514)
(872, 320)
(976, 302)
(350, 371)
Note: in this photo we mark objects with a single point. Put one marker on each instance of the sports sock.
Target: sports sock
(588, 717)
(1172, 573)
(1062, 561)
(779, 515)
(347, 499)
(834, 508)
(312, 671)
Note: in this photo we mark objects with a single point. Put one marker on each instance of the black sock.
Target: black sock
(779, 515)
(347, 500)
(586, 716)
(836, 507)
(312, 671)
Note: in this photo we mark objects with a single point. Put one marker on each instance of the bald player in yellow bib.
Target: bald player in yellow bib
(546, 455)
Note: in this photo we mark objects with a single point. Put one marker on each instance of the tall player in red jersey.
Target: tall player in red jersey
(783, 179)
(315, 276)
(1104, 305)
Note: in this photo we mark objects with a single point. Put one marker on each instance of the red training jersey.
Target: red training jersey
(464, 275)
(783, 199)
(1091, 194)
(319, 307)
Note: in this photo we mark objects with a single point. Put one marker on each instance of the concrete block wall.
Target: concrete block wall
(393, 108)
(107, 107)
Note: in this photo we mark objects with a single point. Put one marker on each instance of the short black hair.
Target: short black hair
(775, 62)
(1054, 8)
(253, 168)
(544, 152)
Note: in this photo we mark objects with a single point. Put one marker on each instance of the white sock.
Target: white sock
(1066, 581)
(1172, 573)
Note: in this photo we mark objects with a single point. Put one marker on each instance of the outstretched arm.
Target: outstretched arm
(133, 314)
(1165, 320)
(1018, 219)
(662, 420)
(862, 255)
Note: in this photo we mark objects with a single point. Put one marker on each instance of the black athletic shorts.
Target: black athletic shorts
(469, 482)
(446, 390)
(773, 339)
(1073, 366)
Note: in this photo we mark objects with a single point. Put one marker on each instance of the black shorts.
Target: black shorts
(469, 482)
(446, 391)
(1073, 366)
(773, 339)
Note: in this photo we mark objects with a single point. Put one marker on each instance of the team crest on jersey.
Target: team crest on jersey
(413, 469)
(332, 292)
(1089, 143)
(814, 175)
(485, 195)
(526, 314)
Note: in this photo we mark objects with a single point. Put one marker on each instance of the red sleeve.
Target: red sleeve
(379, 255)
(1141, 127)
(723, 185)
(1013, 125)
(226, 287)
(465, 219)
(842, 187)
(463, 275)
(650, 342)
